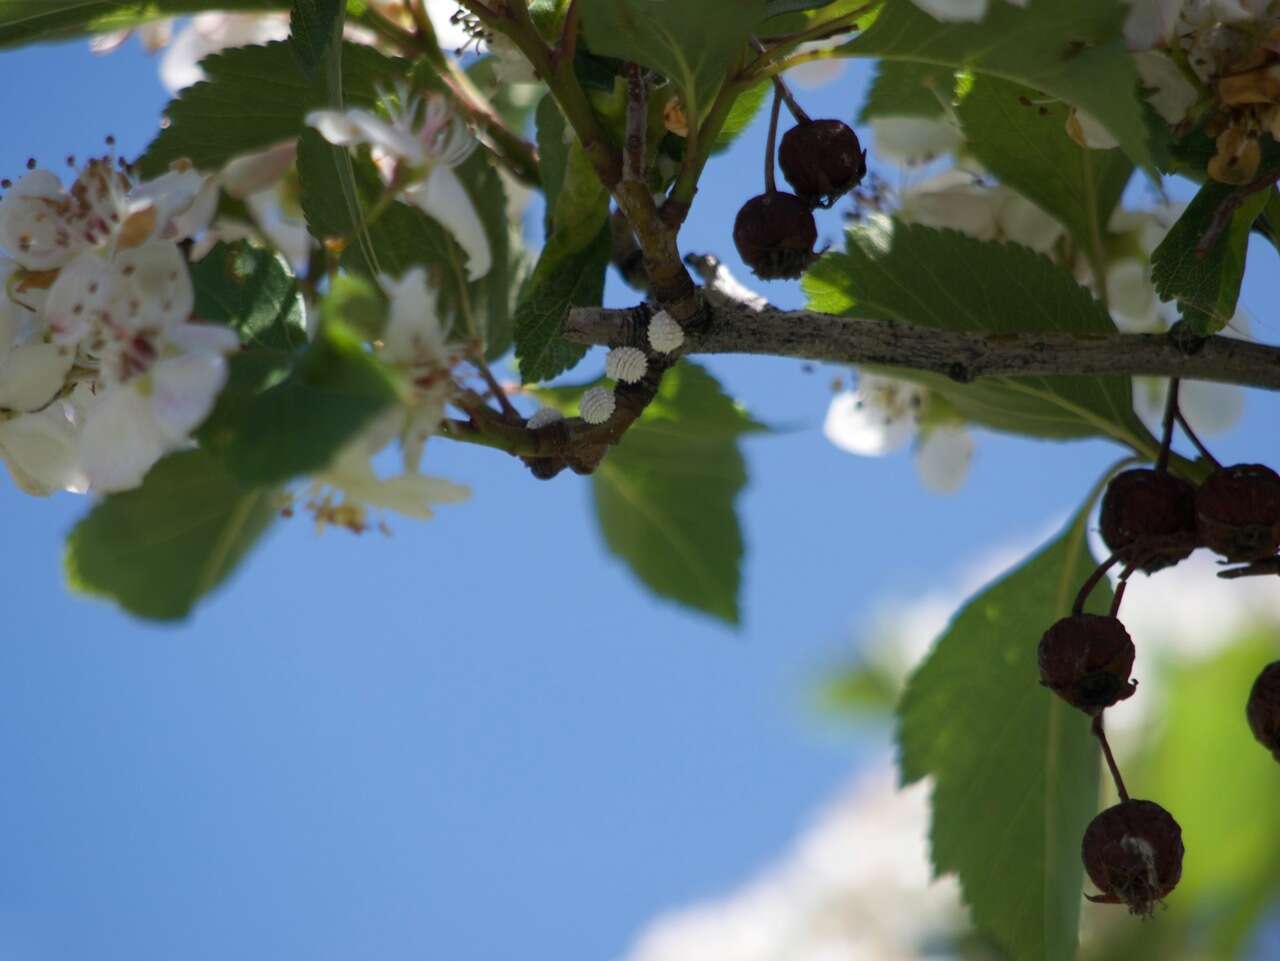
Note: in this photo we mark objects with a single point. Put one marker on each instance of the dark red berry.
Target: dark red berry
(1263, 711)
(1133, 853)
(1085, 659)
(1238, 512)
(775, 233)
(822, 160)
(1150, 516)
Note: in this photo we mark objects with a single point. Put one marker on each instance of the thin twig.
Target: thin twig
(771, 146)
(1101, 735)
(495, 389)
(1121, 583)
(1092, 581)
(1166, 437)
(1191, 435)
(637, 122)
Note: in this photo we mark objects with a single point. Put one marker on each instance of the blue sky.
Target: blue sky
(477, 738)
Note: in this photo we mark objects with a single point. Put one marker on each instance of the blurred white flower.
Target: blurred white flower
(1210, 408)
(208, 33)
(1132, 298)
(1087, 131)
(1166, 87)
(158, 389)
(909, 141)
(41, 450)
(959, 10)
(943, 455)
(154, 35)
(855, 886)
(416, 150)
(954, 200)
(876, 419)
(510, 66)
(344, 493)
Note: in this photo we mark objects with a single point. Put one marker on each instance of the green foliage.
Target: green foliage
(209, 122)
(570, 270)
(904, 88)
(1027, 147)
(1073, 51)
(691, 44)
(1207, 284)
(40, 21)
(943, 279)
(665, 497)
(158, 549)
(743, 111)
(252, 291)
(1015, 769)
(403, 237)
(314, 27)
(870, 688)
(786, 17)
(280, 418)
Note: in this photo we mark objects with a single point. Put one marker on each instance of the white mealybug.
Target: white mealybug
(597, 405)
(665, 334)
(543, 417)
(625, 364)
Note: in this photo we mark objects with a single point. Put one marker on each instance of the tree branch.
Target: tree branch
(739, 322)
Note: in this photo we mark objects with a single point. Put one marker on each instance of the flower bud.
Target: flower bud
(1133, 853)
(1238, 512)
(822, 160)
(775, 233)
(1085, 659)
(1149, 516)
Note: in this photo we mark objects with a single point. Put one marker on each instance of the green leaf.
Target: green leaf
(40, 21)
(743, 111)
(1206, 285)
(314, 27)
(252, 291)
(274, 422)
(355, 302)
(1014, 768)
(209, 123)
(904, 88)
(553, 156)
(665, 497)
(940, 278)
(1074, 51)
(782, 22)
(569, 272)
(404, 237)
(691, 44)
(775, 8)
(561, 279)
(868, 689)
(1026, 145)
(158, 549)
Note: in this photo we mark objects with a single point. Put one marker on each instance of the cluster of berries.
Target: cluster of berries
(1150, 520)
(822, 160)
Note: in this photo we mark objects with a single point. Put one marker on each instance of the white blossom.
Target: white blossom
(665, 333)
(158, 389)
(1087, 131)
(41, 450)
(625, 364)
(154, 36)
(417, 149)
(597, 405)
(942, 457)
(209, 33)
(1165, 86)
(913, 140)
(543, 417)
(876, 419)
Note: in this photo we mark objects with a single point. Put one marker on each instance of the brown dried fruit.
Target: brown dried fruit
(1238, 512)
(1150, 516)
(775, 233)
(1133, 853)
(822, 160)
(1263, 711)
(1085, 659)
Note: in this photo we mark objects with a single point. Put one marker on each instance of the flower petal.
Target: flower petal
(121, 440)
(32, 375)
(943, 457)
(184, 389)
(443, 197)
(41, 451)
